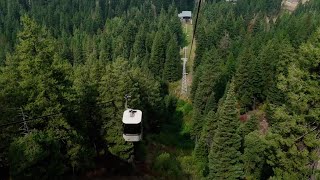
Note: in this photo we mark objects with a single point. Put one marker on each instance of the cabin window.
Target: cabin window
(132, 128)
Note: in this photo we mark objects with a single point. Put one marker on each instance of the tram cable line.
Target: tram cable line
(195, 27)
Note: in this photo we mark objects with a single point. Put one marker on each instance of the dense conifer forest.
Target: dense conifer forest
(252, 110)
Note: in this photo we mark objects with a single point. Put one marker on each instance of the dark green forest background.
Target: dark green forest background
(253, 110)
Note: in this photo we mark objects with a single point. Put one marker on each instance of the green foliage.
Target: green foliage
(49, 153)
(292, 141)
(158, 54)
(121, 79)
(202, 147)
(27, 152)
(250, 125)
(245, 79)
(116, 76)
(254, 156)
(77, 59)
(175, 132)
(224, 156)
(172, 67)
(139, 46)
(212, 72)
(37, 78)
(42, 76)
(272, 66)
(168, 166)
(275, 57)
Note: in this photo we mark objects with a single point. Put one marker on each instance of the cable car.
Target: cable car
(132, 125)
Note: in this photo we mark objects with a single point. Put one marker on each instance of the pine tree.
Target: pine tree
(118, 80)
(114, 86)
(201, 46)
(224, 156)
(85, 84)
(211, 75)
(175, 27)
(195, 82)
(211, 104)
(250, 125)
(77, 47)
(243, 78)
(255, 165)
(202, 147)
(129, 35)
(43, 77)
(158, 54)
(105, 47)
(44, 83)
(172, 67)
(274, 59)
(139, 46)
(292, 140)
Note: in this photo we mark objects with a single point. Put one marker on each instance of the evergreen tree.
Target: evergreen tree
(158, 54)
(114, 86)
(44, 84)
(121, 79)
(250, 125)
(211, 104)
(129, 35)
(172, 67)
(40, 74)
(255, 165)
(224, 156)
(274, 58)
(139, 46)
(175, 26)
(77, 47)
(201, 46)
(85, 84)
(202, 147)
(292, 141)
(105, 47)
(211, 75)
(195, 82)
(73, 68)
(243, 79)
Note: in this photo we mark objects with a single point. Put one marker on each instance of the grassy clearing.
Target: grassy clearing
(174, 139)
(175, 132)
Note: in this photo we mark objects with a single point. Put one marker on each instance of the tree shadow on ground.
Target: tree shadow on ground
(172, 130)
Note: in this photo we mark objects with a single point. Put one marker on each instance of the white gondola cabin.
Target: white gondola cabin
(132, 125)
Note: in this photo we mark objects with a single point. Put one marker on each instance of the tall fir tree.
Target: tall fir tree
(254, 158)
(158, 54)
(225, 157)
(88, 120)
(210, 77)
(139, 46)
(202, 146)
(243, 79)
(172, 67)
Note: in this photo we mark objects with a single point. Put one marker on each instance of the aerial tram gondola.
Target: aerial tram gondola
(132, 124)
